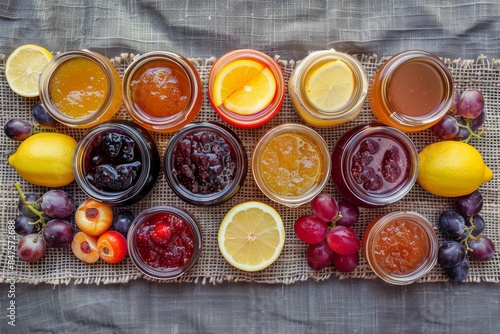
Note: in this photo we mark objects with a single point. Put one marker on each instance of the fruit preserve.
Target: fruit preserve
(246, 88)
(164, 242)
(291, 164)
(412, 91)
(400, 247)
(328, 88)
(162, 91)
(117, 163)
(205, 163)
(374, 165)
(80, 88)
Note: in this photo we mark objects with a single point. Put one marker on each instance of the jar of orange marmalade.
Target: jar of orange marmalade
(400, 247)
(412, 91)
(162, 91)
(80, 88)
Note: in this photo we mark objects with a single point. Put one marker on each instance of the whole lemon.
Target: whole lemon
(45, 159)
(451, 169)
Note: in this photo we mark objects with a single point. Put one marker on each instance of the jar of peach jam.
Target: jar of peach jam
(400, 247)
(412, 91)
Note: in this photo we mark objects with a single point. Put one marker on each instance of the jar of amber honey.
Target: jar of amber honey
(412, 91)
(400, 247)
(162, 91)
(80, 88)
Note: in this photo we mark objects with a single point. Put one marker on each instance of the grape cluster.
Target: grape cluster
(465, 119)
(464, 225)
(42, 222)
(19, 129)
(328, 233)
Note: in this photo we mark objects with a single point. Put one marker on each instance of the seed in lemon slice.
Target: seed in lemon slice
(251, 236)
(244, 86)
(330, 86)
(23, 68)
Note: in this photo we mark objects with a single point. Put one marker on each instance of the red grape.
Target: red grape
(345, 263)
(482, 249)
(57, 203)
(325, 207)
(471, 104)
(319, 255)
(58, 233)
(310, 229)
(343, 240)
(31, 247)
(349, 213)
(446, 128)
(478, 121)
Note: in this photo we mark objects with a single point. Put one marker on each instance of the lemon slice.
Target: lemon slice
(330, 86)
(251, 236)
(23, 67)
(244, 87)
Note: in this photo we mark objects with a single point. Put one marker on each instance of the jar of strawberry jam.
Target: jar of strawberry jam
(400, 247)
(117, 163)
(374, 165)
(164, 242)
(162, 91)
(205, 163)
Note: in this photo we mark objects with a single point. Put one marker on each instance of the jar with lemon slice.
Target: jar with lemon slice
(328, 88)
(246, 88)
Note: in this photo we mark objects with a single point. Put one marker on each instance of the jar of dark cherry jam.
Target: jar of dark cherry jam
(205, 163)
(164, 242)
(374, 165)
(117, 163)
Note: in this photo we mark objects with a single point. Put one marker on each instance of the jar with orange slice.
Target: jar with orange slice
(328, 88)
(246, 88)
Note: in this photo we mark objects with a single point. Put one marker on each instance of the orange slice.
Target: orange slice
(244, 87)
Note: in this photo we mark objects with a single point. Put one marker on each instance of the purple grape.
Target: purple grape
(452, 224)
(471, 104)
(57, 203)
(23, 209)
(459, 272)
(319, 255)
(42, 117)
(482, 248)
(345, 263)
(22, 225)
(122, 221)
(17, 129)
(451, 253)
(325, 207)
(446, 128)
(478, 223)
(310, 229)
(31, 247)
(463, 131)
(469, 205)
(476, 123)
(58, 233)
(349, 213)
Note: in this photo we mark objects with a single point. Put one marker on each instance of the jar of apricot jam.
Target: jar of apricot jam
(291, 164)
(374, 165)
(80, 88)
(353, 88)
(164, 242)
(400, 247)
(205, 163)
(117, 163)
(412, 91)
(162, 91)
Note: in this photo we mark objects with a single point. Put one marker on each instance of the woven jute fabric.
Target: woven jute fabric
(60, 266)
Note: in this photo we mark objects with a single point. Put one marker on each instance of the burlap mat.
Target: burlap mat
(60, 266)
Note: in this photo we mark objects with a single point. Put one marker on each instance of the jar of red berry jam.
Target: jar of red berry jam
(164, 242)
(400, 247)
(162, 91)
(117, 163)
(374, 165)
(205, 163)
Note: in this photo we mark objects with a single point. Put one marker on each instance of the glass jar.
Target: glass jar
(162, 91)
(412, 91)
(252, 119)
(80, 88)
(390, 237)
(374, 165)
(117, 163)
(158, 225)
(345, 111)
(205, 163)
(296, 176)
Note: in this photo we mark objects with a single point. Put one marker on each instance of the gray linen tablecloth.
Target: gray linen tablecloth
(451, 29)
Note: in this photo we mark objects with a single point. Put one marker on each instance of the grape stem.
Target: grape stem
(468, 230)
(471, 132)
(29, 205)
